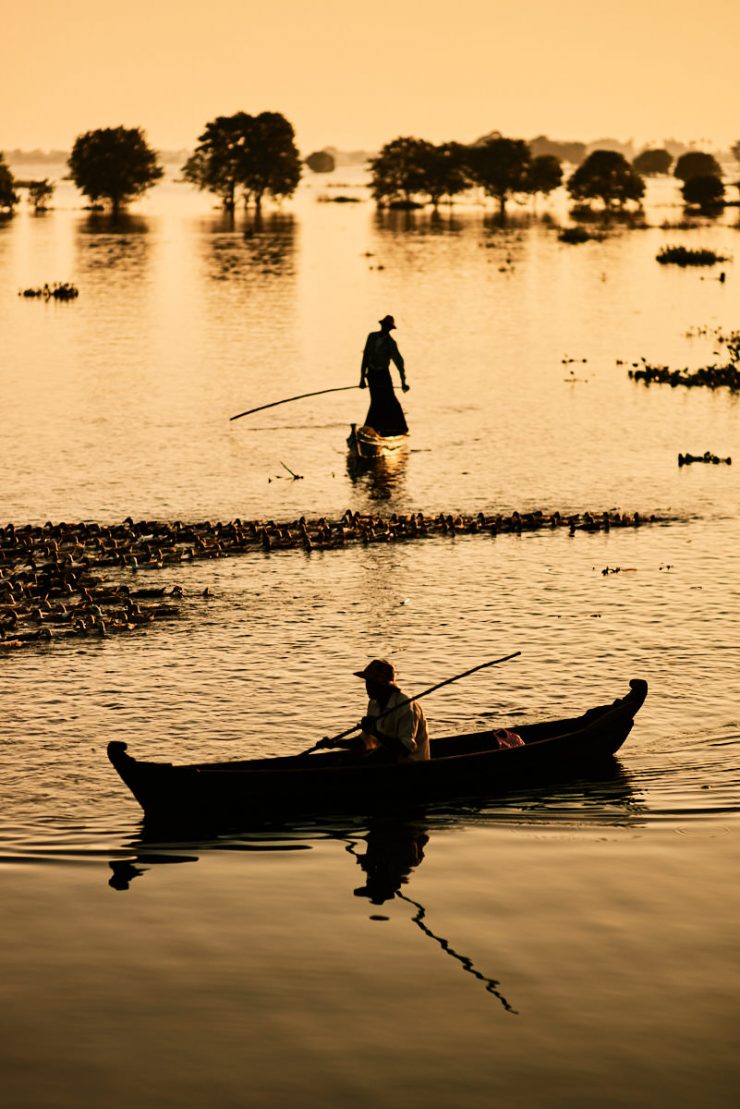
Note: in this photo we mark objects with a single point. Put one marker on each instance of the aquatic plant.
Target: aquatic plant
(59, 290)
(686, 256)
(576, 235)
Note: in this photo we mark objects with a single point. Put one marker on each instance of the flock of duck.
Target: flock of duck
(59, 580)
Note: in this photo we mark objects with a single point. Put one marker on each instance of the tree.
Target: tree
(443, 171)
(735, 149)
(705, 190)
(607, 176)
(650, 162)
(273, 164)
(544, 174)
(8, 196)
(500, 166)
(39, 192)
(696, 163)
(397, 172)
(114, 164)
(256, 154)
(321, 162)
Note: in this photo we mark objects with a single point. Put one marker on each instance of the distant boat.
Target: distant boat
(366, 442)
(470, 765)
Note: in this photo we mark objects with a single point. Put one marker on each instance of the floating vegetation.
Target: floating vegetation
(339, 199)
(577, 235)
(687, 459)
(711, 377)
(60, 290)
(685, 256)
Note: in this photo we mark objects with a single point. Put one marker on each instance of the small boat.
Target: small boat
(470, 765)
(366, 442)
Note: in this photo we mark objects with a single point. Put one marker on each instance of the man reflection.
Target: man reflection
(394, 848)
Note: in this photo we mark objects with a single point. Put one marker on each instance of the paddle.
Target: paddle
(301, 396)
(418, 697)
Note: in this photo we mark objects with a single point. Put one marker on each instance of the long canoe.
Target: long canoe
(366, 442)
(468, 765)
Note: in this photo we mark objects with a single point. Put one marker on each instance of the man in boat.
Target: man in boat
(385, 414)
(394, 726)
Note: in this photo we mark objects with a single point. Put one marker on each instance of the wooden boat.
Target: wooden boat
(469, 765)
(365, 442)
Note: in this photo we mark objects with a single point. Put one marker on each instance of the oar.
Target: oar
(418, 697)
(301, 396)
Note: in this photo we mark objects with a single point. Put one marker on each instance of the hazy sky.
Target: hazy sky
(357, 75)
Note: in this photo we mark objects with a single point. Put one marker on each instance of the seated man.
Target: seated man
(393, 725)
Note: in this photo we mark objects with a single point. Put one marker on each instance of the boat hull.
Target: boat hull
(365, 442)
(337, 782)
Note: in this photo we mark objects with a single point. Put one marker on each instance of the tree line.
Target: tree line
(246, 157)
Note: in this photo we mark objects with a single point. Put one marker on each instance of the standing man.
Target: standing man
(385, 414)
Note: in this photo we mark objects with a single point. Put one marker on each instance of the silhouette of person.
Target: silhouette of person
(394, 848)
(385, 414)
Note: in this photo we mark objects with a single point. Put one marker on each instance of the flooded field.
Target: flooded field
(570, 946)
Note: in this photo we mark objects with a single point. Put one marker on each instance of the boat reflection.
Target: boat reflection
(390, 846)
(380, 477)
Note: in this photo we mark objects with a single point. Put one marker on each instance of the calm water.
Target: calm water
(568, 947)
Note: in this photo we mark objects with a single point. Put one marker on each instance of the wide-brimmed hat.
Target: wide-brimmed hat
(379, 670)
(389, 321)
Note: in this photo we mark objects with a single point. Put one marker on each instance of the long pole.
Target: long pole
(417, 697)
(301, 396)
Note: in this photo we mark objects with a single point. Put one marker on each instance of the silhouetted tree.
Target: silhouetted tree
(444, 171)
(735, 149)
(650, 162)
(8, 196)
(606, 175)
(256, 154)
(544, 174)
(321, 162)
(39, 192)
(695, 163)
(273, 164)
(705, 190)
(500, 166)
(397, 172)
(114, 164)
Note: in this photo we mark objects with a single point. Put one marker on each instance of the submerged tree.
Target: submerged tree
(706, 191)
(544, 174)
(254, 154)
(696, 163)
(606, 175)
(39, 192)
(444, 171)
(500, 166)
(652, 162)
(397, 172)
(114, 164)
(8, 196)
(273, 164)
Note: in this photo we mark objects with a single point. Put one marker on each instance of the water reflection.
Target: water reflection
(122, 243)
(393, 848)
(380, 477)
(262, 246)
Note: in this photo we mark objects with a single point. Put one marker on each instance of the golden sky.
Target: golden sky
(357, 75)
